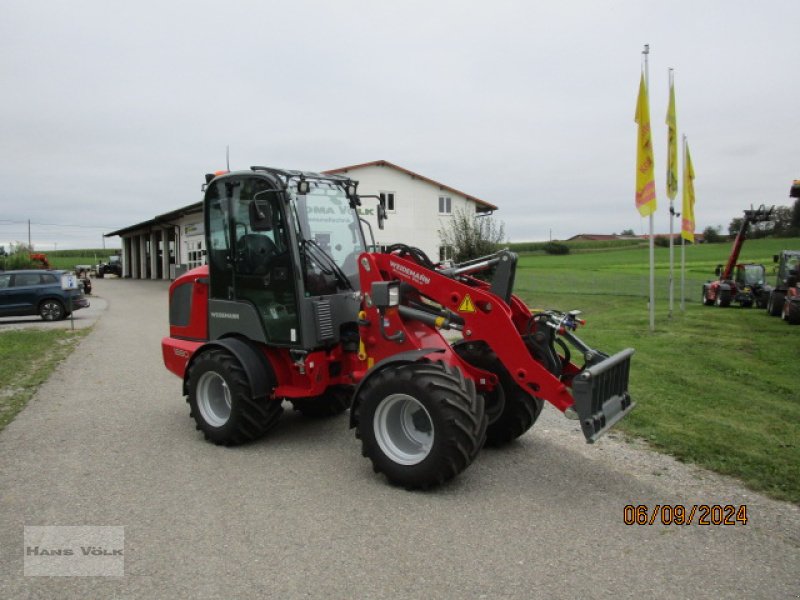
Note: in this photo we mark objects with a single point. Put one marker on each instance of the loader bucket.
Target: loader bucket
(601, 394)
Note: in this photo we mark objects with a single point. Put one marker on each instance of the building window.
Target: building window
(196, 254)
(387, 199)
(445, 253)
(445, 205)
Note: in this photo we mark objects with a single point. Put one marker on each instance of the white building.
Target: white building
(417, 207)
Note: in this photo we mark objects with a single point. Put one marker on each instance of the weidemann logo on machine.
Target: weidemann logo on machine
(411, 274)
(225, 315)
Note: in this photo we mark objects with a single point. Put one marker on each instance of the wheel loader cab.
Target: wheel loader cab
(282, 265)
(750, 275)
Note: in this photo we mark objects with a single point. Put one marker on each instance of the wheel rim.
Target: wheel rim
(214, 399)
(403, 429)
(50, 311)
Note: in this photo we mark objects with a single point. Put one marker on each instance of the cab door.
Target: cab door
(251, 272)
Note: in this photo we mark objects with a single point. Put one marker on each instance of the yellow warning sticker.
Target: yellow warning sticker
(466, 305)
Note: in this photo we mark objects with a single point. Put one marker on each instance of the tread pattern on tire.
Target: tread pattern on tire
(250, 417)
(521, 409)
(452, 400)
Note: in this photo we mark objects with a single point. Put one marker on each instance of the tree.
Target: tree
(627, 232)
(711, 234)
(470, 236)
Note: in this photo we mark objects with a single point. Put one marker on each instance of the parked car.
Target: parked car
(36, 292)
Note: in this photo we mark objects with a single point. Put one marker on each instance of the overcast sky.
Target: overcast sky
(111, 112)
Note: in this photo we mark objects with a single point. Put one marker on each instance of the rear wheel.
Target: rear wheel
(222, 404)
(420, 424)
(52, 310)
(334, 401)
(511, 410)
(723, 298)
(705, 299)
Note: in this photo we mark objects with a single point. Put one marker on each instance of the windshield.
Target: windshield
(753, 275)
(330, 229)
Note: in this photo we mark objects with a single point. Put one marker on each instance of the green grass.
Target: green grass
(67, 259)
(716, 387)
(27, 358)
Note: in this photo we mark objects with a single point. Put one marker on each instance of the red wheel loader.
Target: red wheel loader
(291, 307)
(748, 286)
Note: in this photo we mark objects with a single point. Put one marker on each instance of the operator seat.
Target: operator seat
(255, 251)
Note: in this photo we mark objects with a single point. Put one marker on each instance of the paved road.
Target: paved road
(300, 514)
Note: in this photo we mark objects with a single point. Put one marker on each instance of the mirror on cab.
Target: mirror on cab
(260, 215)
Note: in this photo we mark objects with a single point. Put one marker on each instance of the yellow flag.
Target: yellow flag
(672, 146)
(645, 179)
(687, 222)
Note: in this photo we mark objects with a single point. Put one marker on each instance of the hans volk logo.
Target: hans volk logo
(74, 551)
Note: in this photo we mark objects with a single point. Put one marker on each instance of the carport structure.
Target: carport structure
(162, 247)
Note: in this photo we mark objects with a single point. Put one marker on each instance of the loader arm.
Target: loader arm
(432, 300)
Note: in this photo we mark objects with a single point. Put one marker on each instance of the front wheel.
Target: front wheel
(222, 404)
(511, 410)
(420, 424)
(775, 303)
(791, 313)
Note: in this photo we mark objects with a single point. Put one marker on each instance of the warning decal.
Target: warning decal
(466, 306)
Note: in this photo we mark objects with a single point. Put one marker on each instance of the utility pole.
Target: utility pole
(30, 246)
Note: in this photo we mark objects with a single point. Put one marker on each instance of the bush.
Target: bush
(555, 248)
(661, 241)
(711, 235)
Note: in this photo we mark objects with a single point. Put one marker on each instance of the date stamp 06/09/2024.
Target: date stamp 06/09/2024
(685, 514)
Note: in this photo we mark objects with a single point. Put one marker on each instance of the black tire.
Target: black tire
(723, 298)
(775, 304)
(790, 313)
(390, 404)
(334, 401)
(510, 410)
(705, 300)
(248, 418)
(52, 310)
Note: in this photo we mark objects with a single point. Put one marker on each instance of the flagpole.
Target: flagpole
(683, 246)
(646, 53)
(671, 230)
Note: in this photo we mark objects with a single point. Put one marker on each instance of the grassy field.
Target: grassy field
(26, 360)
(717, 387)
(67, 259)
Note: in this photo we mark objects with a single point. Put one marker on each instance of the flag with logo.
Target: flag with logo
(687, 222)
(645, 178)
(672, 146)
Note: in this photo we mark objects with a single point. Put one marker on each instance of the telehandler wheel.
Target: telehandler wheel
(723, 299)
(705, 299)
(790, 313)
(511, 410)
(420, 423)
(334, 401)
(221, 403)
(775, 304)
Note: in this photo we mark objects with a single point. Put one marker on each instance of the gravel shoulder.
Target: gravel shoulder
(300, 514)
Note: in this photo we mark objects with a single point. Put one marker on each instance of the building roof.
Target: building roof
(164, 219)
(483, 205)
